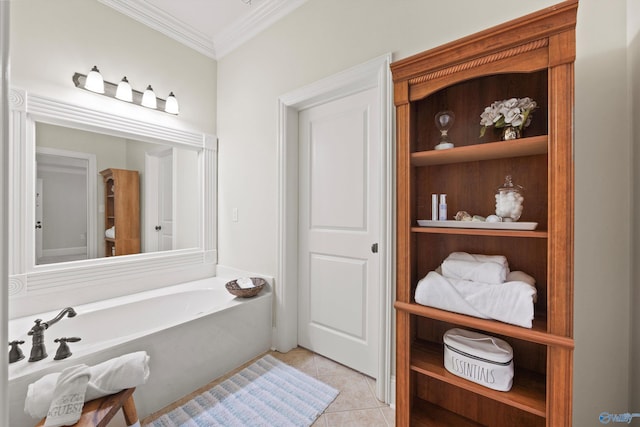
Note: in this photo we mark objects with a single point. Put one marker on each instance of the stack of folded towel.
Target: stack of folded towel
(60, 396)
(110, 232)
(480, 286)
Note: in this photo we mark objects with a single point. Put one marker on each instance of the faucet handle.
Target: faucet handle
(63, 350)
(15, 353)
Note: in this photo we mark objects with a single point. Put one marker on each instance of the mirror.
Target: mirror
(58, 149)
(71, 219)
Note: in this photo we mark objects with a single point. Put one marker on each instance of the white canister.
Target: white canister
(479, 358)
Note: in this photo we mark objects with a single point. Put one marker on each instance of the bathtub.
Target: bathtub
(194, 333)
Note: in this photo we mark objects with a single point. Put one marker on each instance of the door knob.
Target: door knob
(374, 248)
(158, 227)
(38, 224)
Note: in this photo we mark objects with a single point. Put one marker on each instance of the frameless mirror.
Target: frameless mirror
(72, 215)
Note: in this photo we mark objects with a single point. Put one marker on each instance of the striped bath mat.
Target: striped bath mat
(267, 393)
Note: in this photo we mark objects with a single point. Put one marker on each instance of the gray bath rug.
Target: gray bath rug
(267, 393)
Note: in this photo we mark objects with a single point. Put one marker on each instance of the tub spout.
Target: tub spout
(67, 311)
(38, 349)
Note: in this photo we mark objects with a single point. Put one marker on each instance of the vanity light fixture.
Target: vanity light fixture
(93, 82)
(171, 105)
(124, 91)
(149, 98)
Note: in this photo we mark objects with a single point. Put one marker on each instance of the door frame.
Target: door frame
(371, 74)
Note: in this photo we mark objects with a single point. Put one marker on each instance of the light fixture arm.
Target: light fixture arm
(110, 91)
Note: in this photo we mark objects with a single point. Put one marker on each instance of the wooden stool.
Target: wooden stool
(98, 412)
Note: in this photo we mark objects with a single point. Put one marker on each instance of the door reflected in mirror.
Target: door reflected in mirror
(70, 194)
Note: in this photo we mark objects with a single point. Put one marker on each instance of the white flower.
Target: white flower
(511, 115)
(508, 112)
(510, 103)
(489, 116)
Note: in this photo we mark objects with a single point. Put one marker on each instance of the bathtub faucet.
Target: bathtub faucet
(38, 350)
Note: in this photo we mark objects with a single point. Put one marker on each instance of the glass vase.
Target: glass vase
(511, 132)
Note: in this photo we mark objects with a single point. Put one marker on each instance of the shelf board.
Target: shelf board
(487, 151)
(481, 232)
(527, 394)
(427, 414)
(537, 334)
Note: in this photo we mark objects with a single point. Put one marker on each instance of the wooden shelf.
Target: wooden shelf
(537, 334)
(488, 151)
(429, 415)
(481, 232)
(527, 393)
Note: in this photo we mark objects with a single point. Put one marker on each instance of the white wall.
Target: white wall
(323, 37)
(4, 182)
(633, 50)
(603, 213)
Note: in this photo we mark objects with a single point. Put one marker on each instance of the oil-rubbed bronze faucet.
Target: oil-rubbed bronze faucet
(38, 350)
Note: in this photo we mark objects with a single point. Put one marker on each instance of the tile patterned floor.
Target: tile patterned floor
(355, 406)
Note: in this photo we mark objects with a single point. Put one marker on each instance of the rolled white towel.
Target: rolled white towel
(109, 377)
(521, 276)
(464, 256)
(484, 272)
(509, 302)
(491, 269)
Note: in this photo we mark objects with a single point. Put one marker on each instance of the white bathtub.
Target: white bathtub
(194, 332)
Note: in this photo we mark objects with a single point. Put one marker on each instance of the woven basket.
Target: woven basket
(236, 290)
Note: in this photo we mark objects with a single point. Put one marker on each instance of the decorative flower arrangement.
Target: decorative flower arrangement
(515, 112)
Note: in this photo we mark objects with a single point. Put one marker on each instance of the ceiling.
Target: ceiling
(212, 27)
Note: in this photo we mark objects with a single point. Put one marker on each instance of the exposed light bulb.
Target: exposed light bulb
(94, 81)
(149, 98)
(124, 92)
(171, 104)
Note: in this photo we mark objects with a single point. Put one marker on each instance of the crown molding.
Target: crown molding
(261, 17)
(238, 32)
(161, 21)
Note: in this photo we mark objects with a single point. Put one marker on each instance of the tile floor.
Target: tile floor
(355, 406)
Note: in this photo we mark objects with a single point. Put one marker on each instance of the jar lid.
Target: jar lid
(510, 186)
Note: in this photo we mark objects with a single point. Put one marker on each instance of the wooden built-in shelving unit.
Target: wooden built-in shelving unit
(531, 56)
(122, 210)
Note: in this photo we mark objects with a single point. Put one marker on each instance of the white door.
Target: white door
(339, 289)
(159, 204)
(39, 216)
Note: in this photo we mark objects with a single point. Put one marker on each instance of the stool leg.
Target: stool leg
(130, 412)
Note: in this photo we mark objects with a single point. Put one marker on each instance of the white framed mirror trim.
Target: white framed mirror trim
(125, 274)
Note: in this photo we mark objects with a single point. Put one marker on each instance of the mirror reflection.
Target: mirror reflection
(98, 195)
